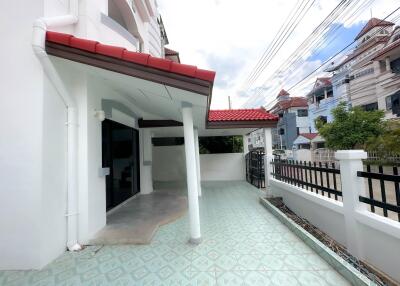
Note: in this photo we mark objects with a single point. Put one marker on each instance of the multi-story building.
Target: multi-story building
(368, 77)
(321, 100)
(293, 119)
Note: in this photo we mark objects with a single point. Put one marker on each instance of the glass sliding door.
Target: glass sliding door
(121, 154)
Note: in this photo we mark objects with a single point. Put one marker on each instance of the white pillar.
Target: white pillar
(245, 144)
(268, 157)
(191, 173)
(197, 147)
(352, 187)
(387, 61)
(146, 159)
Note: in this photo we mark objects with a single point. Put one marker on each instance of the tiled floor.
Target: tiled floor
(243, 245)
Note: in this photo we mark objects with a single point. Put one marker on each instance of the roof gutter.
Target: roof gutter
(40, 27)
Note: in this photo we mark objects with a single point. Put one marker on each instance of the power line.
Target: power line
(281, 40)
(330, 58)
(311, 42)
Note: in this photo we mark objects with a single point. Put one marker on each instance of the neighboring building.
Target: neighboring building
(321, 101)
(293, 119)
(368, 77)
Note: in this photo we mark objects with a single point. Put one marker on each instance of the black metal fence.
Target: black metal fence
(383, 190)
(323, 179)
(255, 174)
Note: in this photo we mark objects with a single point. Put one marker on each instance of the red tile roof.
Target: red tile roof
(129, 56)
(309, 136)
(283, 93)
(241, 115)
(325, 80)
(373, 22)
(288, 103)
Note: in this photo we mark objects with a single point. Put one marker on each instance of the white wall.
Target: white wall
(378, 237)
(169, 165)
(21, 142)
(223, 167)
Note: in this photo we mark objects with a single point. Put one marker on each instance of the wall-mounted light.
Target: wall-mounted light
(100, 115)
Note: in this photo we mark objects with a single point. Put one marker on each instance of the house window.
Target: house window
(302, 113)
(323, 119)
(388, 101)
(370, 107)
(395, 66)
(394, 103)
(281, 131)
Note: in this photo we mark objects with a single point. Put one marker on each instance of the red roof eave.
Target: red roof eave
(130, 56)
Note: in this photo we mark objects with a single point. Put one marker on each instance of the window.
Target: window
(393, 103)
(395, 66)
(370, 107)
(281, 131)
(388, 101)
(323, 119)
(302, 113)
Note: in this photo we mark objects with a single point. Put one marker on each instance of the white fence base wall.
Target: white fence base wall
(379, 237)
(169, 165)
(324, 213)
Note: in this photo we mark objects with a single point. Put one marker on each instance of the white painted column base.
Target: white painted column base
(191, 174)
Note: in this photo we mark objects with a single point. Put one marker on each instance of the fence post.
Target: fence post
(268, 158)
(352, 187)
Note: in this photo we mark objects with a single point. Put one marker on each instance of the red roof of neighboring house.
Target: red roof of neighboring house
(325, 80)
(373, 22)
(241, 115)
(290, 102)
(130, 56)
(309, 136)
(283, 93)
(170, 52)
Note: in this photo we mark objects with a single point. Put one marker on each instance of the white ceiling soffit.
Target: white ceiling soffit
(163, 101)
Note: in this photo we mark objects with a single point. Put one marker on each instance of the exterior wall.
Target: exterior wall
(169, 165)
(323, 213)
(23, 163)
(223, 167)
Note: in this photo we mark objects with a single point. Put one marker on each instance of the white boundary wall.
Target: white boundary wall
(169, 165)
(369, 237)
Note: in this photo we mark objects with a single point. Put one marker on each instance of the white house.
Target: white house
(85, 86)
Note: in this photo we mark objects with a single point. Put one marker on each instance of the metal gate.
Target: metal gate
(255, 174)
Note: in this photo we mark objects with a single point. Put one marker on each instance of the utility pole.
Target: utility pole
(229, 102)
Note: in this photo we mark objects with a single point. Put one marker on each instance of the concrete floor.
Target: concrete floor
(136, 221)
(243, 244)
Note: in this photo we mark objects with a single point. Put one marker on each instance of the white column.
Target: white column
(197, 147)
(245, 144)
(387, 61)
(268, 157)
(146, 158)
(352, 187)
(191, 173)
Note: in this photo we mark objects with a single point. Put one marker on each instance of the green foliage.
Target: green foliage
(351, 128)
(388, 141)
(221, 144)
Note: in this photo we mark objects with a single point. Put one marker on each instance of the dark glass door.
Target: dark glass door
(121, 154)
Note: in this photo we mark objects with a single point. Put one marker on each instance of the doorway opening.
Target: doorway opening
(120, 151)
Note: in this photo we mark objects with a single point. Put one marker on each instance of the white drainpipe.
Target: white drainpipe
(38, 44)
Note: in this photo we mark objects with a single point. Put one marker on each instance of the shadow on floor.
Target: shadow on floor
(137, 221)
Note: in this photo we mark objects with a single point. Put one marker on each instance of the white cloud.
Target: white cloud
(230, 36)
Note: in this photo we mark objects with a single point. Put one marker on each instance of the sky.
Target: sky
(230, 36)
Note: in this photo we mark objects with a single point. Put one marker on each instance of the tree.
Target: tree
(351, 127)
(388, 141)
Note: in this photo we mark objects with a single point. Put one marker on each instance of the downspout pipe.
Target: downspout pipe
(40, 27)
